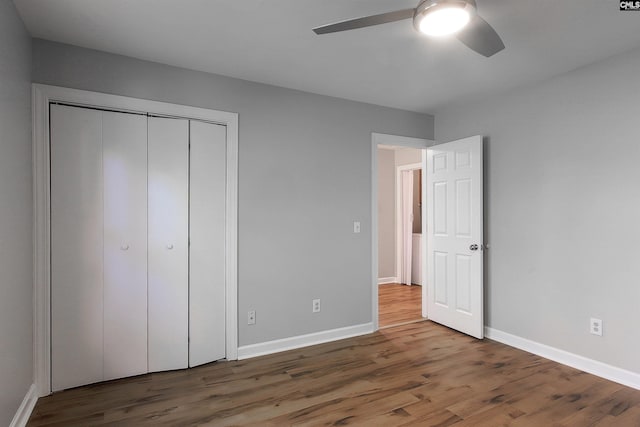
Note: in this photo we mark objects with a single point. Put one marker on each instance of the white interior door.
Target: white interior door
(76, 247)
(168, 243)
(207, 223)
(455, 235)
(125, 244)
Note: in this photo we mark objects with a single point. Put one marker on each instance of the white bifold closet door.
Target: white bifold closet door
(124, 145)
(76, 247)
(168, 243)
(138, 240)
(98, 245)
(207, 216)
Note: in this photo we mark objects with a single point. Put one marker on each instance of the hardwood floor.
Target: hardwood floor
(398, 304)
(419, 374)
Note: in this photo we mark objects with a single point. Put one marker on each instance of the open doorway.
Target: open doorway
(400, 237)
(452, 224)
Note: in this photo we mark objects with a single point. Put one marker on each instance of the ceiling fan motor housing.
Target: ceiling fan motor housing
(427, 6)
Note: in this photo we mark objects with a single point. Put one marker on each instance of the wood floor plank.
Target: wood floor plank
(398, 304)
(418, 374)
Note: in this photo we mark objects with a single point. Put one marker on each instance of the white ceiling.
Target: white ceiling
(271, 41)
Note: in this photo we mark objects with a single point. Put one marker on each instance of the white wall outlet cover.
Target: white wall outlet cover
(595, 326)
(316, 305)
(356, 226)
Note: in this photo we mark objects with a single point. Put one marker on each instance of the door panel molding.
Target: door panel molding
(42, 97)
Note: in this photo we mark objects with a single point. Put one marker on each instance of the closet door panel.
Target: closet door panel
(207, 220)
(76, 247)
(125, 244)
(168, 243)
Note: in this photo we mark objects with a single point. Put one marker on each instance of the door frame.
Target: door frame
(398, 223)
(401, 141)
(42, 96)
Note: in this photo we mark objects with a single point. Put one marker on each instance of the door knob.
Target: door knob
(124, 247)
(473, 247)
(169, 246)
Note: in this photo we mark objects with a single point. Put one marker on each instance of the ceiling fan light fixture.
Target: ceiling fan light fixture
(435, 18)
(441, 18)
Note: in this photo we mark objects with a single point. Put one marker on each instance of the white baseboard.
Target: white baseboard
(269, 347)
(26, 407)
(618, 375)
(385, 280)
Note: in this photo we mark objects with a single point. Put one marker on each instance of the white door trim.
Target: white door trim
(42, 96)
(398, 202)
(402, 141)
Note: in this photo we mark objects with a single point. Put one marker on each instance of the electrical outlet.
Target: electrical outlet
(595, 326)
(251, 317)
(316, 305)
(356, 226)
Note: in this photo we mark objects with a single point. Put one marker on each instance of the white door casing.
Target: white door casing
(168, 276)
(455, 235)
(399, 224)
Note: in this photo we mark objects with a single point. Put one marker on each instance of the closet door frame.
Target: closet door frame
(42, 97)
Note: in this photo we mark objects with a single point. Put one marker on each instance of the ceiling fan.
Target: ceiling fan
(435, 18)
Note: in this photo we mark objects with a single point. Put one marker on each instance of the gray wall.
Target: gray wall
(408, 156)
(386, 213)
(562, 206)
(16, 255)
(305, 171)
